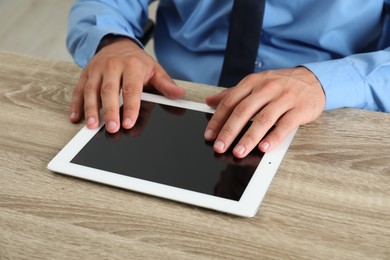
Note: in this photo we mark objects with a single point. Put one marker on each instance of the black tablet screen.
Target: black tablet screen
(167, 146)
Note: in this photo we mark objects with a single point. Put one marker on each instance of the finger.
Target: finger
(145, 113)
(283, 127)
(77, 102)
(222, 113)
(237, 120)
(164, 83)
(133, 81)
(213, 100)
(92, 100)
(110, 95)
(261, 124)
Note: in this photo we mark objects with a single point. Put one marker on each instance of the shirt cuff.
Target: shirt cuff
(342, 83)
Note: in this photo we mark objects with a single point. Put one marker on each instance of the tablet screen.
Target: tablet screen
(161, 148)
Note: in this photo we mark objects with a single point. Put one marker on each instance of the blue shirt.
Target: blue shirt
(345, 43)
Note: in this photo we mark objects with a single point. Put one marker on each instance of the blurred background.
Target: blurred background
(38, 27)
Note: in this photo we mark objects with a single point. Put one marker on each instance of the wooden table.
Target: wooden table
(330, 197)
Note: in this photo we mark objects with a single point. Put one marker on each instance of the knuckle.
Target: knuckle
(127, 110)
(112, 63)
(214, 123)
(89, 109)
(75, 105)
(77, 101)
(96, 61)
(77, 92)
(128, 90)
(285, 124)
(271, 85)
(108, 88)
(132, 61)
(227, 103)
(264, 119)
(289, 95)
(227, 131)
(250, 138)
(89, 87)
(109, 111)
(241, 110)
(250, 79)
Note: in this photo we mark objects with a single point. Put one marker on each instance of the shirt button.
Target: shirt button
(258, 64)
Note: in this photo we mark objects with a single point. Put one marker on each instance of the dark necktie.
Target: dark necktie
(243, 41)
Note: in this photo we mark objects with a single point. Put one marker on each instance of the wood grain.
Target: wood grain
(329, 199)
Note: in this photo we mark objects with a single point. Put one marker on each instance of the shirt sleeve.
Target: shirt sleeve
(89, 21)
(360, 81)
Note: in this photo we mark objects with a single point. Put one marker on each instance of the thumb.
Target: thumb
(162, 82)
(213, 100)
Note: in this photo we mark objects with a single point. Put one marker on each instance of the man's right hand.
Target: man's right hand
(122, 64)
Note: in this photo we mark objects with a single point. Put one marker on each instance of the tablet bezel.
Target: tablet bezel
(247, 206)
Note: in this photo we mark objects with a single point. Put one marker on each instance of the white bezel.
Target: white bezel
(247, 206)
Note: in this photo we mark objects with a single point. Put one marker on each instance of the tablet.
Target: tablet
(165, 155)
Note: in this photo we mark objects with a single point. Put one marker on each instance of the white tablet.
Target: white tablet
(165, 155)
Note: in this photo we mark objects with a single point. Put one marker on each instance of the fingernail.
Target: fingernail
(126, 122)
(265, 145)
(219, 146)
(91, 121)
(111, 126)
(209, 134)
(239, 149)
(73, 115)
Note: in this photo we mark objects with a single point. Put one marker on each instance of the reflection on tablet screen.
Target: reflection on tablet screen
(167, 146)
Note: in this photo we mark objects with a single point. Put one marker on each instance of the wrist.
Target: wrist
(111, 39)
